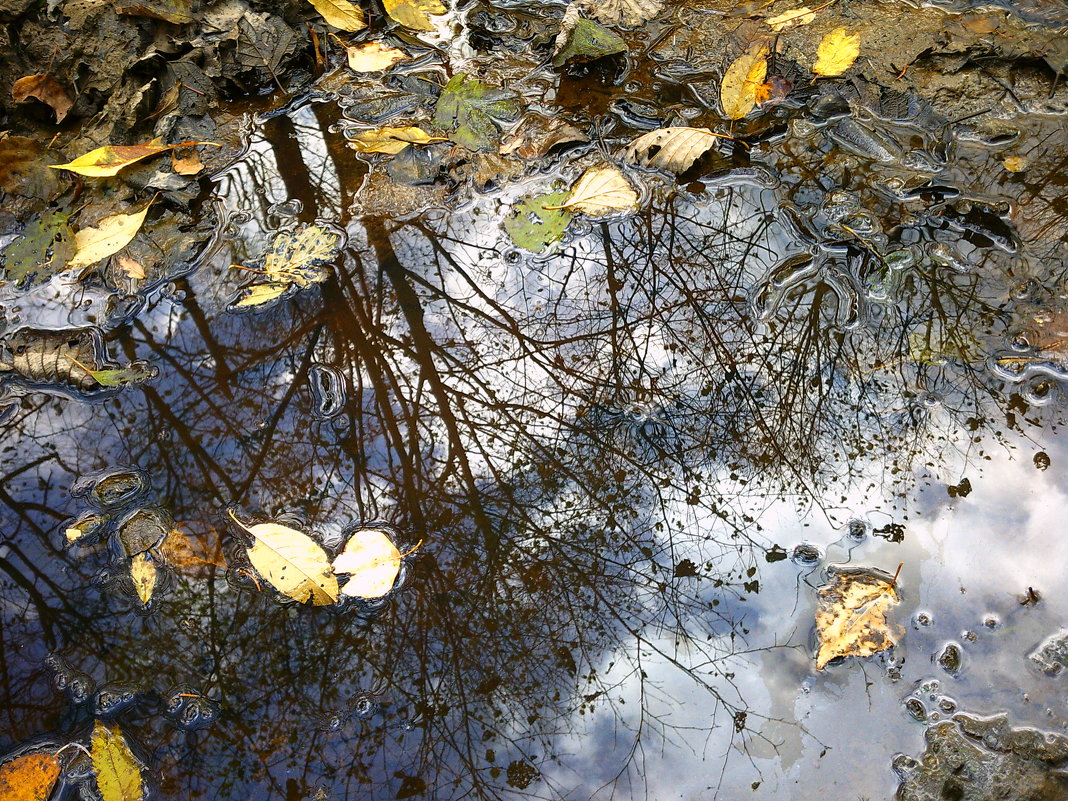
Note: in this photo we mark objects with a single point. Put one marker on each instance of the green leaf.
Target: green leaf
(470, 109)
(583, 40)
(28, 258)
(534, 227)
(117, 377)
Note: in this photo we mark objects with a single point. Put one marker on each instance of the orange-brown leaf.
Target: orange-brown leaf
(46, 89)
(186, 165)
(29, 777)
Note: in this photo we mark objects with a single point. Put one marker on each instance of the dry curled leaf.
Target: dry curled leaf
(600, 191)
(29, 777)
(851, 617)
(118, 776)
(108, 160)
(742, 80)
(789, 19)
(343, 14)
(373, 562)
(674, 149)
(144, 574)
(837, 52)
(107, 238)
(391, 140)
(292, 562)
(373, 57)
(46, 89)
(414, 14)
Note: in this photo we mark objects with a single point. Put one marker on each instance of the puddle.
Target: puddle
(619, 468)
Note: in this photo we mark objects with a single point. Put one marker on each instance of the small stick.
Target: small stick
(893, 581)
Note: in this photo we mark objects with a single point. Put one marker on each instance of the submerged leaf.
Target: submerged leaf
(469, 108)
(674, 149)
(119, 376)
(29, 777)
(143, 572)
(391, 140)
(373, 562)
(107, 238)
(600, 191)
(788, 19)
(742, 80)
(534, 227)
(623, 13)
(837, 52)
(414, 14)
(292, 562)
(582, 40)
(42, 250)
(259, 294)
(118, 776)
(373, 57)
(108, 160)
(343, 14)
(46, 89)
(851, 618)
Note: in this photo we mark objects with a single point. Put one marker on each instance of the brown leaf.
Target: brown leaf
(192, 554)
(29, 777)
(851, 618)
(743, 77)
(186, 165)
(46, 89)
(674, 149)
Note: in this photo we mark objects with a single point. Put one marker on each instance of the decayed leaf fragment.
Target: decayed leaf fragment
(108, 160)
(292, 562)
(144, 574)
(600, 191)
(373, 562)
(343, 14)
(788, 19)
(131, 268)
(851, 617)
(29, 777)
(118, 776)
(391, 140)
(373, 57)
(580, 39)
(837, 52)
(46, 89)
(674, 149)
(414, 14)
(623, 13)
(107, 238)
(186, 165)
(741, 81)
(471, 109)
(258, 294)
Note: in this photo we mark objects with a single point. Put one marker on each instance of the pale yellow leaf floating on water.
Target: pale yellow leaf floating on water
(789, 19)
(414, 14)
(837, 52)
(851, 617)
(144, 574)
(108, 160)
(107, 238)
(744, 76)
(292, 562)
(258, 294)
(600, 191)
(118, 776)
(391, 140)
(674, 149)
(373, 57)
(373, 562)
(343, 14)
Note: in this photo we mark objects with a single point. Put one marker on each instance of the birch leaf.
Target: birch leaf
(789, 19)
(743, 77)
(674, 149)
(144, 574)
(373, 562)
(373, 57)
(837, 52)
(391, 140)
(107, 238)
(414, 14)
(29, 777)
(108, 160)
(343, 14)
(118, 776)
(291, 562)
(851, 617)
(600, 191)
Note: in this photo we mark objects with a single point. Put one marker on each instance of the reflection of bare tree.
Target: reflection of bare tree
(560, 432)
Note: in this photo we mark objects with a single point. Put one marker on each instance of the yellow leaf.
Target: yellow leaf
(391, 140)
(1014, 163)
(118, 776)
(29, 777)
(73, 535)
(373, 57)
(600, 190)
(110, 236)
(837, 52)
(143, 572)
(108, 160)
(851, 618)
(788, 19)
(414, 14)
(295, 257)
(743, 77)
(674, 149)
(343, 14)
(132, 268)
(372, 559)
(258, 294)
(292, 562)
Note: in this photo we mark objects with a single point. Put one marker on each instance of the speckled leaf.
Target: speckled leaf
(118, 776)
(292, 562)
(742, 80)
(29, 777)
(41, 251)
(534, 227)
(469, 109)
(851, 618)
(623, 13)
